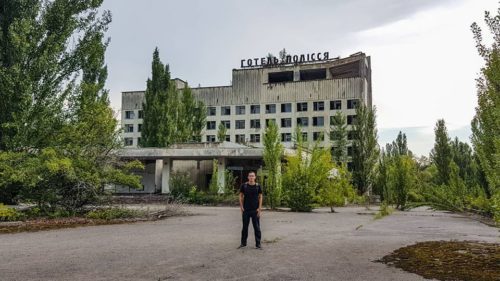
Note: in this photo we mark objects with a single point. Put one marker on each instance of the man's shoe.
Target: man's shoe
(259, 247)
(241, 246)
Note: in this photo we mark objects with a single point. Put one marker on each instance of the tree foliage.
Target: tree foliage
(365, 148)
(486, 122)
(338, 135)
(273, 151)
(58, 133)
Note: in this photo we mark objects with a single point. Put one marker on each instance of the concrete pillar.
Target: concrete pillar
(158, 172)
(165, 175)
(221, 162)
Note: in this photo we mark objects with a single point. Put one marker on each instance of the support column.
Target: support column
(158, 172)
(220, 173)
(165, 175)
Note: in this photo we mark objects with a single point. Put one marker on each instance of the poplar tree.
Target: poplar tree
(338, 136)
(441, 153)
(365, 148)
(157, 120)
(486, 122)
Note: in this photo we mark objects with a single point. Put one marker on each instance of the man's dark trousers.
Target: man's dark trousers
(247, 215)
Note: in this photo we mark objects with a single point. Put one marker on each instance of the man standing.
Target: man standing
(250, 206)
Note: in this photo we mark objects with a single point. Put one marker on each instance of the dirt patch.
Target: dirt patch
(70, 222)
(449, 260)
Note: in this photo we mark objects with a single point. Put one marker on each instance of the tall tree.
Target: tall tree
(41, 43)
(441, 153)
(200, 115)
(156, 123)
(338, 136)
(221, 132)
(273, 151)
(71, 166)
(486, 122)
(365, 148)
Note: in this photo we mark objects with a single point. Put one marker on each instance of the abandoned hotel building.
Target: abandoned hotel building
(301, 90)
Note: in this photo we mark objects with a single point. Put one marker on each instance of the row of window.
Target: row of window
(285, 107)
(270, 108)
(318, 121)
(285, 137)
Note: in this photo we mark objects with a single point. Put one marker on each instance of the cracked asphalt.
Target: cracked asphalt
(297, 246)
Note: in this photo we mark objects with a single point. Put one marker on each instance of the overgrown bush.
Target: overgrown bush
(114, 213)
(203, 198)
(9, 214)
(336, 191)
(181, 185)
(304, 175)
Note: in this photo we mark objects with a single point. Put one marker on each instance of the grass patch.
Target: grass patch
(385, 210)
(102, 216)
(449, 260)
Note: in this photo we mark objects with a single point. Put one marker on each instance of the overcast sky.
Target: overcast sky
(424, 63)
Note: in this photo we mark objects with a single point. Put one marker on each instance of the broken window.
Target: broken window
(318, 136)
(129, 128)
(254, 137)
(304, 136)
(211, 111)
(277, 77)
(286, 107)
(335, 104)
(226, 123)
(286, 122)
(225, 110)
(318, 121)
(141, 114)
(129, 141)
(240, 110)
(301, 106)
(255, 124)
(255, 109)
(129, 114)
(286, 137)
(240, 124)
(351, 119)
(318, 105)
(210, 138)
(351, 104)
(240, 138)
(210, 125)
(313, 74)
(270, 108)
(348, 70)
(303, 121)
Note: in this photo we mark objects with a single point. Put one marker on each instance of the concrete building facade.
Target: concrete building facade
(292, 92)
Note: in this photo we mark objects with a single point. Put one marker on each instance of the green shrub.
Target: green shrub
(385, 210)
(181, 185)
(9, 214)
(202, 198)
(113, 213)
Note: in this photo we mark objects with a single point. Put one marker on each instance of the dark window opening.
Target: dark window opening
(313, 74)
(348, 70)
(277, 77)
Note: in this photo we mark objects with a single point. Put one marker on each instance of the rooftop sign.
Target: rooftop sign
(288, 59)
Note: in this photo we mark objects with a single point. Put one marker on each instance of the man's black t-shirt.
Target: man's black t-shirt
(251, 193)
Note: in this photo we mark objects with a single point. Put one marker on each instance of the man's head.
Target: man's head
(251, 176)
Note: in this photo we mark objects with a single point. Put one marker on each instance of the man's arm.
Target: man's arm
(260, 205)
(241, 201)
